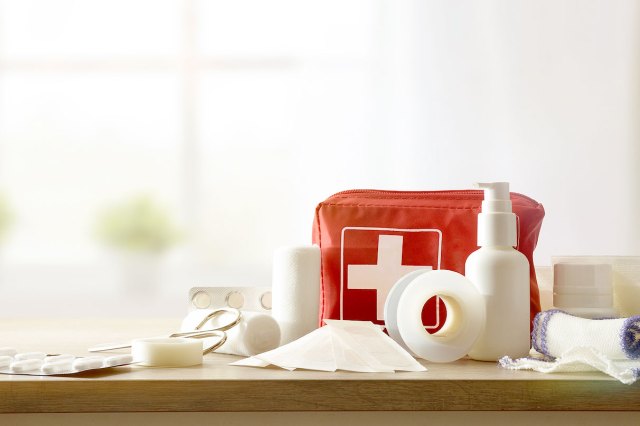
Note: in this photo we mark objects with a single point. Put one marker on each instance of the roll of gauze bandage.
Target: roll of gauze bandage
(257, 332)
(296, 291)
(167, 352)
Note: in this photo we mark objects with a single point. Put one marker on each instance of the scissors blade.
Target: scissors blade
(109, 347)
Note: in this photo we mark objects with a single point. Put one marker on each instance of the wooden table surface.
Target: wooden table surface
(216, 386)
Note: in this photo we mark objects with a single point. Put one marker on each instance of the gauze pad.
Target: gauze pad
(340, 345)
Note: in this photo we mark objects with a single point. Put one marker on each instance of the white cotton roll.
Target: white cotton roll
(296, 291)
(257, 332)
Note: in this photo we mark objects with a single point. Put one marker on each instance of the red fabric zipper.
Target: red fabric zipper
(476, 194)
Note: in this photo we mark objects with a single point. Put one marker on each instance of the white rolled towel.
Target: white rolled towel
(257, 332)
(556, 332)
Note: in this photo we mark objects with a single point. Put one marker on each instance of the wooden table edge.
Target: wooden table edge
(315, 395)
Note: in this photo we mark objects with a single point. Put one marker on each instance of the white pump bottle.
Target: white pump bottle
(501, 275)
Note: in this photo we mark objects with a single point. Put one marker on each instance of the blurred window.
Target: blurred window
(212, 109)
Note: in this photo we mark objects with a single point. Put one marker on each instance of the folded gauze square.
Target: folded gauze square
(340, 345)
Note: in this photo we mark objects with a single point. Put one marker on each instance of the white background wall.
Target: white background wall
(545, 94)
(241, 116)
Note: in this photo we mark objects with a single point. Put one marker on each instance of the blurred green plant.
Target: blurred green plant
(6, 217)
(138, 225)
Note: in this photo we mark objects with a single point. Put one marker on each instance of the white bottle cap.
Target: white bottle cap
(496, 222)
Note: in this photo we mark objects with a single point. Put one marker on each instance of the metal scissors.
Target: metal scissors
(219, 332)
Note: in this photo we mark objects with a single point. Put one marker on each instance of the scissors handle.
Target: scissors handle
(219, 332)
(217, 313)
(203, 334)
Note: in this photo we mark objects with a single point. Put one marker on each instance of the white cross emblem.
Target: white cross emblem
(382, 276)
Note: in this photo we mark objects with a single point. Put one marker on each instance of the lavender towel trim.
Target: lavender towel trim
(630, 337)
(506, 362)
(539, 333)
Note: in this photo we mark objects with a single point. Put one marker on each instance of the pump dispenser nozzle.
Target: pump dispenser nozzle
(494, 190)
(496, 222)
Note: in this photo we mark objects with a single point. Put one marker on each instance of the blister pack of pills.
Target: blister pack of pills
(41, 364)
(257, 299)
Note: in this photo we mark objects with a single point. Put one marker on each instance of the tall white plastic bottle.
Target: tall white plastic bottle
(501, 275)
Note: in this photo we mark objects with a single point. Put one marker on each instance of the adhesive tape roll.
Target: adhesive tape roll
(391, 306)
(465, 316)
(167, 352)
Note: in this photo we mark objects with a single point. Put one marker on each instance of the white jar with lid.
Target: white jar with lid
(584, 290)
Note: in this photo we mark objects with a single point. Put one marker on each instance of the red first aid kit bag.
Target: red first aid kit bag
(369, 239)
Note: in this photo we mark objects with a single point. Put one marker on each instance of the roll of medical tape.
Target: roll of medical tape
(391, 306)
(167, 352)
(465, 315)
